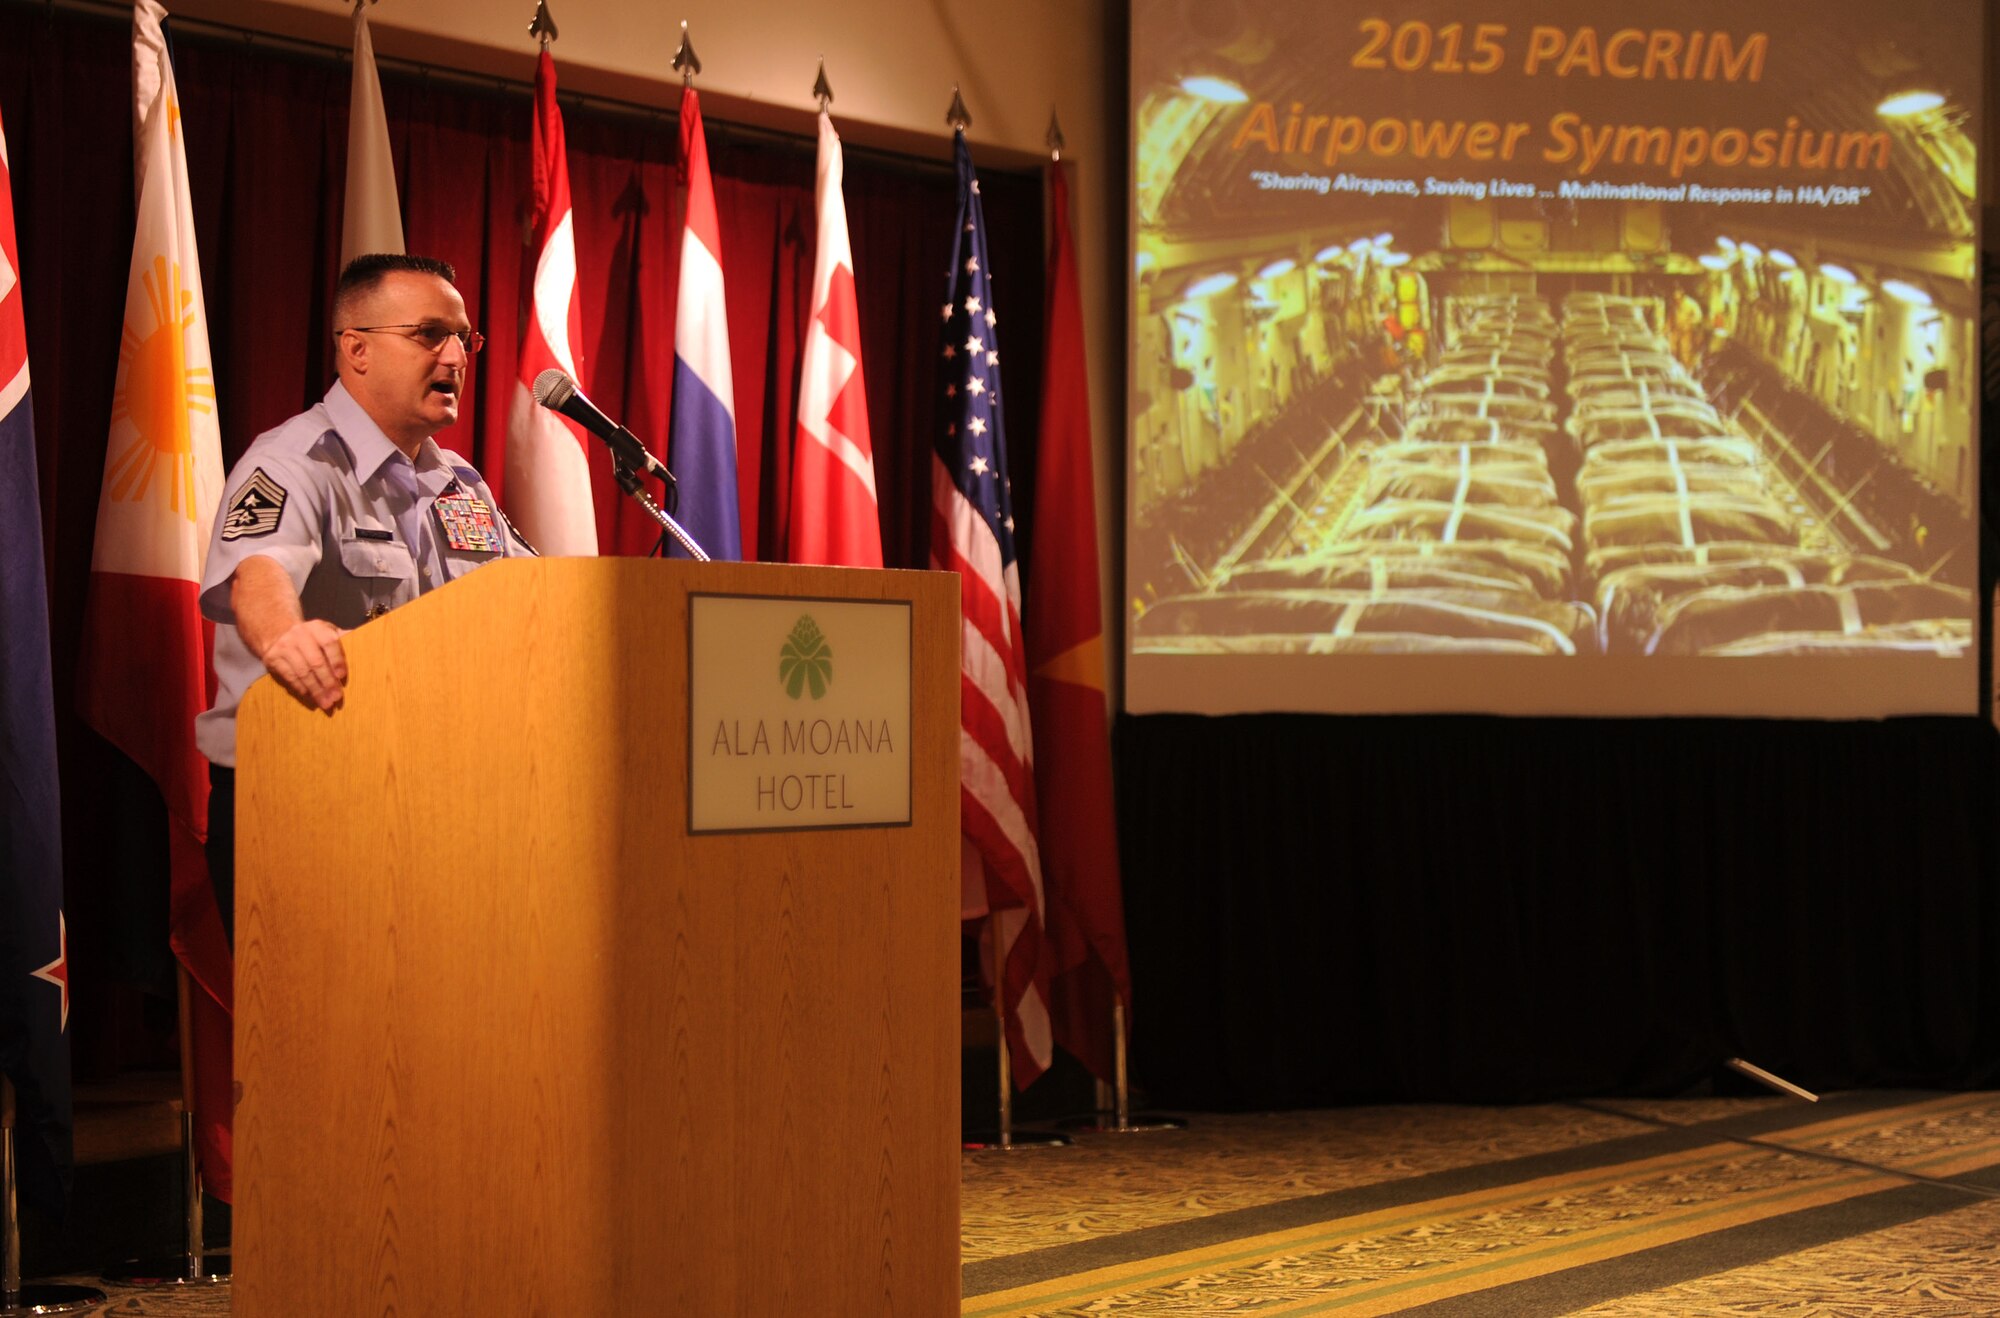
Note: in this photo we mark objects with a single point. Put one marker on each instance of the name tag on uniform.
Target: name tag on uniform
(467, 521)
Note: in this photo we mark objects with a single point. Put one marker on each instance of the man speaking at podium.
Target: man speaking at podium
(344, 512)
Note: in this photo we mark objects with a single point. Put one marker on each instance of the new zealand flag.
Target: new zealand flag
(34, 963)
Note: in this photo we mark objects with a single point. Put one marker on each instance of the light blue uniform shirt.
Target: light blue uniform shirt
(353, 522)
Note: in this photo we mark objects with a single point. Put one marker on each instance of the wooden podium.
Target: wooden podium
(511, 1040)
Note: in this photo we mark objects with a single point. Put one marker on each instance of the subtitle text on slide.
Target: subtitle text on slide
(1813, 195)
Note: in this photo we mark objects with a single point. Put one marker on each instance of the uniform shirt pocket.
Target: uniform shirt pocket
(383, 574)
(458, 562)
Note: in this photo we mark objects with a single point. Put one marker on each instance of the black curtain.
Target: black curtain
(1329, 910)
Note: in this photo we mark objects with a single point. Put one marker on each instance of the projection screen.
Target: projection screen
(1605, 361)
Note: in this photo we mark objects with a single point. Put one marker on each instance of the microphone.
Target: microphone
(557, 392)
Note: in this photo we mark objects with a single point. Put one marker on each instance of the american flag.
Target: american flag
(972, 533)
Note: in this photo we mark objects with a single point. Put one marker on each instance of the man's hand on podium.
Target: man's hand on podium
(304, 654)
(308, 661)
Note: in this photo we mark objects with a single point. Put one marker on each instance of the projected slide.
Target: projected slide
(1609, 360)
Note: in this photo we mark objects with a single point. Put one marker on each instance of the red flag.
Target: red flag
(146, 650)
(1064, 628)
(546, 471)
(835, 517)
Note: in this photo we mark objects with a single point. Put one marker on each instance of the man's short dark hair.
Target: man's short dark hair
(365, 273)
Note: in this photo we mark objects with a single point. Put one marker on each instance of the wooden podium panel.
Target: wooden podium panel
(509, 1040)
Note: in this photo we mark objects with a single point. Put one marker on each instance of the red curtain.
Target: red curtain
(266, 137)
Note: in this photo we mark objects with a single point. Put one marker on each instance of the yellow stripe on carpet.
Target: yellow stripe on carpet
(1958, 1160)
(1938, 1137)
(1881, 1117)
(1633, 1216)
(1594, 1247)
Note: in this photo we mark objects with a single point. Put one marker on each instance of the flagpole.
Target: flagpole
(195, 1266)
(1124, 1083)
(16, 1300)
(1147, 1122)
(1005, 1138)
(1006, 1067)
(199, 1267)
(1113, 1114)
(543, 28)
(686, 62)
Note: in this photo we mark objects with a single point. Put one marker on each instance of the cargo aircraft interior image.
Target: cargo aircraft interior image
(1681, 364)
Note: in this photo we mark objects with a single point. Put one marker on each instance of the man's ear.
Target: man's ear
(350, 351)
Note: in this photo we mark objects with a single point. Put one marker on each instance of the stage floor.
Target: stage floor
(1866, 1203)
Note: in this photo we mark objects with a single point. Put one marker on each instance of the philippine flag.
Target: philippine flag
(701, 443)
(143, 673)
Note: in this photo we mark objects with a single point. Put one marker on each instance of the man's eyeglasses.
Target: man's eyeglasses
(431, 335)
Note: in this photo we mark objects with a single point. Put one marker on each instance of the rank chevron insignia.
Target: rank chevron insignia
(805, 660)
(257, 508)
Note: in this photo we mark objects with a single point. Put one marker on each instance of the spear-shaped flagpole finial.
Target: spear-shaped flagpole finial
(822, 92)
(958, 116)
(1055, 137)
(544, 27)
(686, 62)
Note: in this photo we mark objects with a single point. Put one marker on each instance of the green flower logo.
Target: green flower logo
(805, 660)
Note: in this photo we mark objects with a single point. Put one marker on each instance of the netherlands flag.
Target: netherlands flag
(701, 443)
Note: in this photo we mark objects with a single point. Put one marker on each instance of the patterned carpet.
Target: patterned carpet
(1865, 1204)
(1032, 1198)
(210, 1301)
(1946, 1264)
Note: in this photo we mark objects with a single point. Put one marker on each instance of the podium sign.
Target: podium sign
(798, 713)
